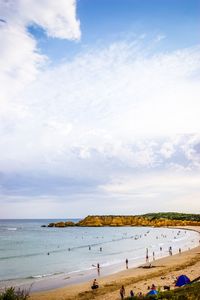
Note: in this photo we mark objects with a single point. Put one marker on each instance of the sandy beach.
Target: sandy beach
(163, 272)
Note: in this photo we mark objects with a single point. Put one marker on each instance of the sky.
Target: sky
(99, 107)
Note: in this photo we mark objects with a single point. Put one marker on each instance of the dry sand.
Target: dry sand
(164, 272)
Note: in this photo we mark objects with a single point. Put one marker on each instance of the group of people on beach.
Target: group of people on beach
(131, 293)
(122, 293)
(152, 290)
(147, 258)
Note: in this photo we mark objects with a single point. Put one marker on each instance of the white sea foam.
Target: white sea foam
(45, 275)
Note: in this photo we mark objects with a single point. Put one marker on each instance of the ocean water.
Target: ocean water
(32, 254)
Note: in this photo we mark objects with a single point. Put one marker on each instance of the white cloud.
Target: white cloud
(108, 113)
(167, 149)
(191, 149)
(160, 37)
(105, 104)
(160, 191)
(57, 18)
(158, 183)
(20, 60)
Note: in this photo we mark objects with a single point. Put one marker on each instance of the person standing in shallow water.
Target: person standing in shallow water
(147, 254)
(122, 292)
(98, 269)
(127, 263)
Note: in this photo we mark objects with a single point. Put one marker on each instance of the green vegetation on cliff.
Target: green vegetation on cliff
(151, 219)
(173, 216)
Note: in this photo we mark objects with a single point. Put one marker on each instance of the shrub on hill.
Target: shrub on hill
(13, 294)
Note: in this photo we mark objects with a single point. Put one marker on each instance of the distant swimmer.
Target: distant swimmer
(48, 253)
(100, 249)
(69, 249)
(89, 248)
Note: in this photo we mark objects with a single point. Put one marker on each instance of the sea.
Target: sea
(42, 258)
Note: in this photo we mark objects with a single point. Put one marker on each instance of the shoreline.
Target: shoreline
(109, 284)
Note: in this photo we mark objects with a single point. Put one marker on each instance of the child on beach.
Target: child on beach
(122, 292)
(131, 294)
(95, 285)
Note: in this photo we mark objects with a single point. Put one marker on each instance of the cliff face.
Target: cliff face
(97, 221)
(62, 224)
(154, 220)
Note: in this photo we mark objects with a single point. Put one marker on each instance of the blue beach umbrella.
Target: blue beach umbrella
(182, 280)
(152, 292)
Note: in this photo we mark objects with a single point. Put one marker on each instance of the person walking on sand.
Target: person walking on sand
(122, 292)
(126, 263)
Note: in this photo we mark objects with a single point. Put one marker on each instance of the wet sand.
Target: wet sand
(163, 272)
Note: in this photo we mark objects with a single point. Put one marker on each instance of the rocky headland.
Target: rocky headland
(153, 219)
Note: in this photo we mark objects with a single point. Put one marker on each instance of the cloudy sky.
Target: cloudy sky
(99, 107)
